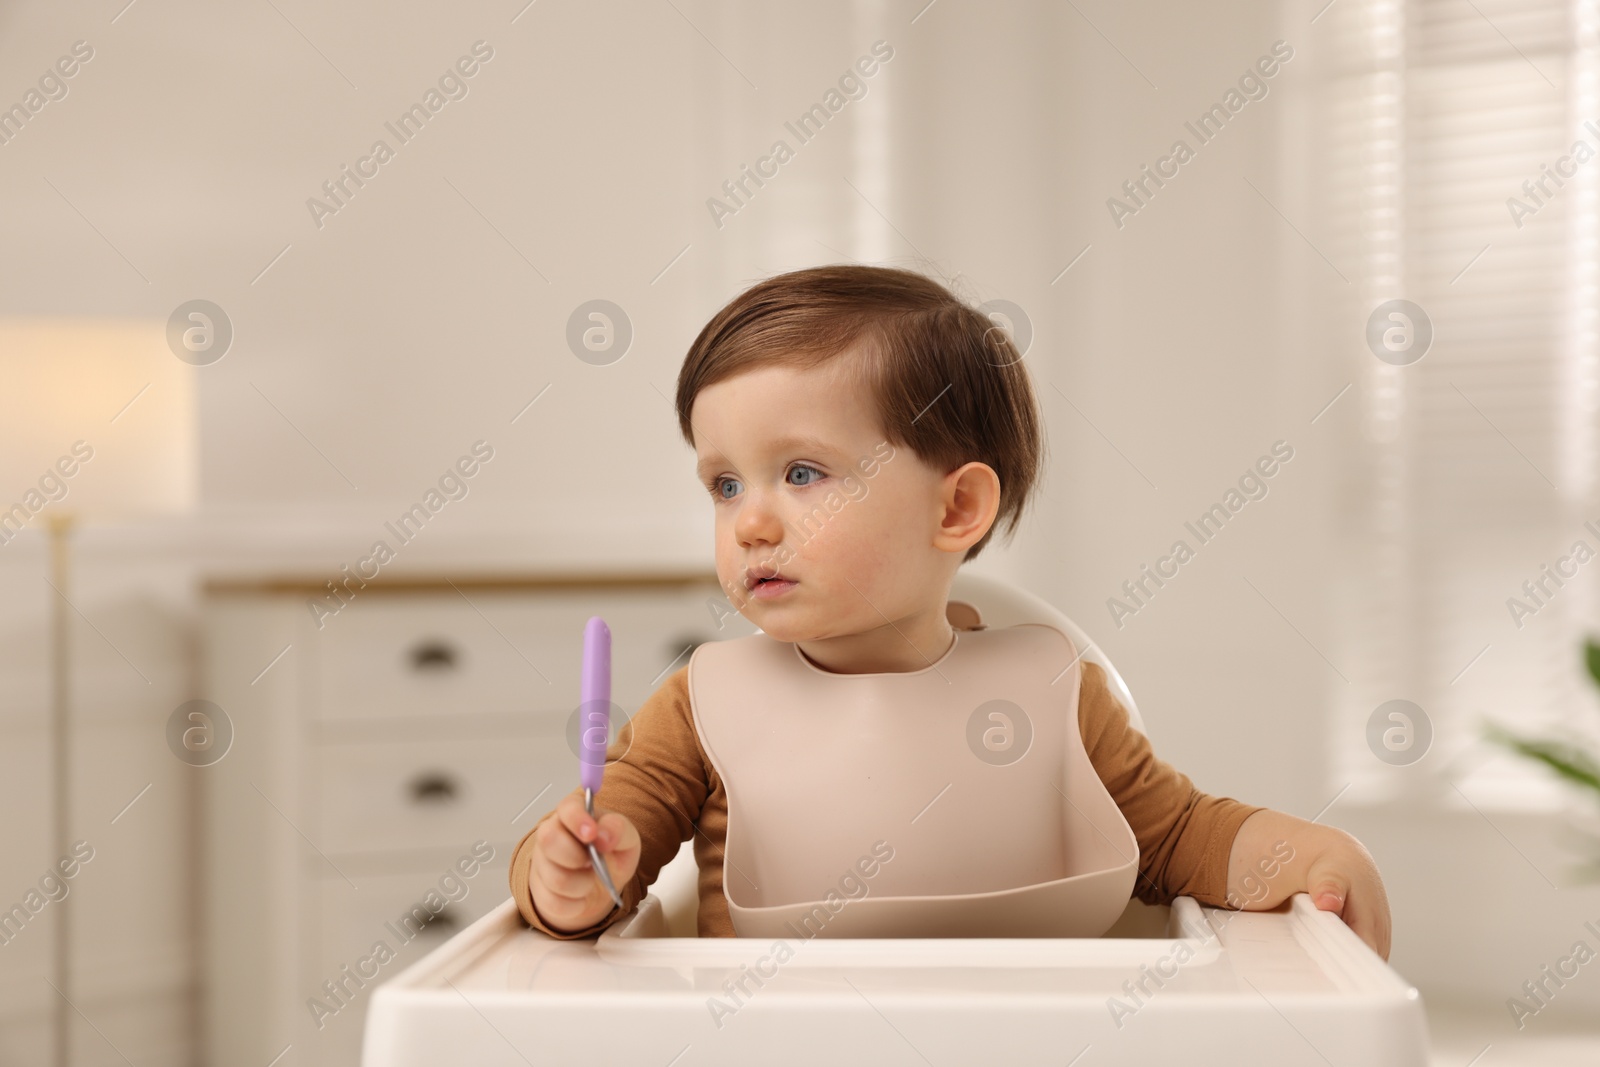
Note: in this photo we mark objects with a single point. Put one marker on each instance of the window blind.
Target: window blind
(1453, 183)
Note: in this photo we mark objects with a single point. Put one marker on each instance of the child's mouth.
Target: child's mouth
(767, 588)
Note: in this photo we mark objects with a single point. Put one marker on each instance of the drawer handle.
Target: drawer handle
(445, 922)
(682, 646)
(433, 788)
(433, 656)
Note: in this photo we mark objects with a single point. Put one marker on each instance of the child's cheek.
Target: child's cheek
(815, 534)
(730, 571)
(870, 557)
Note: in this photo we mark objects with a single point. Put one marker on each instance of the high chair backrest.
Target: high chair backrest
(1001, 604)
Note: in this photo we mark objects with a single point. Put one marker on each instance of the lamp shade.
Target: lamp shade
(97, 420)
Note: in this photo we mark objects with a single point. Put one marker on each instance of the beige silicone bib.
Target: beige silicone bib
(952, 801)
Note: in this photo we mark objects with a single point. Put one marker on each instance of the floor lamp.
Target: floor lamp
(97, 424)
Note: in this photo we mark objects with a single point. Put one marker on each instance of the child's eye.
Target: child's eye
(803, 467)
(715, 486)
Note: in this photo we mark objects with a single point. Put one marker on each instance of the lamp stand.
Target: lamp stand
(59, 528)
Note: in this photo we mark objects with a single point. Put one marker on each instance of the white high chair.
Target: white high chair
(1289, 986)
(1000, 604)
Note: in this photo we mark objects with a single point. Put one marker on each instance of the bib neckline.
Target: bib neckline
(801, 656)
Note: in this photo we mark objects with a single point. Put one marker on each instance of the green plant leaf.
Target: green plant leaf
(1568, 761)
(1591, 656)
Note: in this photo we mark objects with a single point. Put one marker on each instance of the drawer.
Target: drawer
(396, 795)
(346, 922)
(344, 925)
(437, 655)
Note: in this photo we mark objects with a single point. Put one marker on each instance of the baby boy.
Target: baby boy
(861, 432)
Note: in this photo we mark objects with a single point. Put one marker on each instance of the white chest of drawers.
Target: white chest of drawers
(371, 755)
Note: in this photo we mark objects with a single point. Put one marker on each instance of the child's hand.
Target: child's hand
(1344, 879)
(1275, 855)
(566, 890)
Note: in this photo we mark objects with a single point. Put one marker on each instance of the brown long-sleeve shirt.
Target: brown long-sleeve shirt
(664, 783)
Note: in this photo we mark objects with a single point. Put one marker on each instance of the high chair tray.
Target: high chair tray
(1290, 986)
(641, 940)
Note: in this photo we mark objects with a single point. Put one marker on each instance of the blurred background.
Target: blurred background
(241, 345)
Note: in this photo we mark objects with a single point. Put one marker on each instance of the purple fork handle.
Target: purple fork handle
(594, 719)
(595, 693)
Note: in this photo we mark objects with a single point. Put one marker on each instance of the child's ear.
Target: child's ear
(970, 498)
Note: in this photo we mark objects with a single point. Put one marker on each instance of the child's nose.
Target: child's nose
(758, 518)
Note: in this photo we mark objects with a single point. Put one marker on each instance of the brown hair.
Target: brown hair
(947, 382)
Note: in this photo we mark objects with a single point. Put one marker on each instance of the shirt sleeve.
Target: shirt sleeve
(654, 775)
(1185, 836)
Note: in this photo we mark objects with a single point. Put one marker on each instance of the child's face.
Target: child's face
(850, 520)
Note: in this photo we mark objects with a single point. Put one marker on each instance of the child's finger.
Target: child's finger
(1368, 924)
(559, 837)
(617, 833)
(557, 845)
(557, 880)
(576, 885)
(612, 834)
(578, 822)
(1357, 915)
(561, 865)
(605, 830)
(1360, 922)
(1357, 898)
(619, 847)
